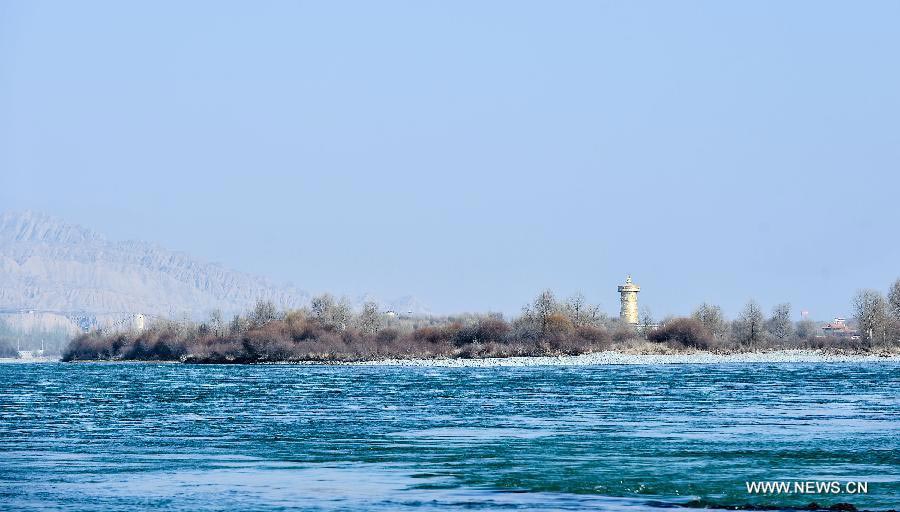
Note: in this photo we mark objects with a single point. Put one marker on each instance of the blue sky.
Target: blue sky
(473, 153)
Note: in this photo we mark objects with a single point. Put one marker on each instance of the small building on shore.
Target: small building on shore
(838, 328)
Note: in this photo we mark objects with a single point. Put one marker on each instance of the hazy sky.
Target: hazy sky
(473, 153)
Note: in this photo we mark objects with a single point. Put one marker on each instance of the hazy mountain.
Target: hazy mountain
(50, 266)
(64, 276)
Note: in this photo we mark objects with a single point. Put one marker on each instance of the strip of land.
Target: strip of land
(609, 357)
(619, 358)
(547, 332)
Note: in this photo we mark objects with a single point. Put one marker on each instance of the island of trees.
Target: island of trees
(331, 331)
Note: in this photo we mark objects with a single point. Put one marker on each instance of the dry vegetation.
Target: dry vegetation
(331, 331)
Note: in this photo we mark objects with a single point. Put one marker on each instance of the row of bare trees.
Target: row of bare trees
(877, 317)
(330, 329)
(751, 327)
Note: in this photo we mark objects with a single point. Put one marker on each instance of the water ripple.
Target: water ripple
(176, 437)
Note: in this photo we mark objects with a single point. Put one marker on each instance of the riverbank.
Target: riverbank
(620, 358)
(611, 357)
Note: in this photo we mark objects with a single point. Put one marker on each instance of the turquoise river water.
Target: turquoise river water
(177, 437)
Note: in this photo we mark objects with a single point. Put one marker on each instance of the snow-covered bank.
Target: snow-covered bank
(610, 358)
(597, 358)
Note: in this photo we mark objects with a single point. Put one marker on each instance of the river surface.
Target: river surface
(632, 438)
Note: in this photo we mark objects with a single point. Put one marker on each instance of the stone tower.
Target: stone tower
(629, 311)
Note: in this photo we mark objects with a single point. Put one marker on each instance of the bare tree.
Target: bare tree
(713, 319)
(894, 311)
(749, 326)
(894, 300)
(806, 329)
(871, 313)
(647, 321)
(238, 325)
(263, 313)
(369, 320)
(216, 322)
(580, 312)
(780, 325)
(574, 308)
(321, 304)
(331, 313)
(540, 311)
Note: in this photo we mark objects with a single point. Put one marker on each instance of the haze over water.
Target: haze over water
(179, 437)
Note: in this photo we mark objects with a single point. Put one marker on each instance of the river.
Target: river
(138, 436)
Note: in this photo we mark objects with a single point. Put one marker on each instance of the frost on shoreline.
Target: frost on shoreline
(619, 358)
(593, 359)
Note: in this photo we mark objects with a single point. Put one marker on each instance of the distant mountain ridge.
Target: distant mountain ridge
(49, 265)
